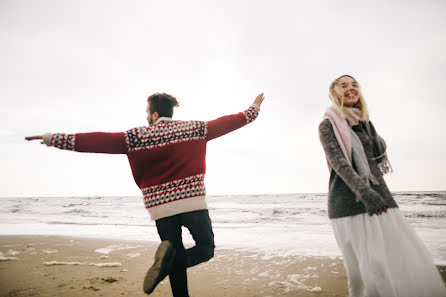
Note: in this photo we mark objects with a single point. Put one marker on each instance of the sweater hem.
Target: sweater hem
(177, 207)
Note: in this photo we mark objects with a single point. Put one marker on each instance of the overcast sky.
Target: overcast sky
(88, 65)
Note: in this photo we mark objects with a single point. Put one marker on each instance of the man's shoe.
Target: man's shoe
(164, 256)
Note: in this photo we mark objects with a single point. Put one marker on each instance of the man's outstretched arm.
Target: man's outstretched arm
(226, 124)
(96, 142)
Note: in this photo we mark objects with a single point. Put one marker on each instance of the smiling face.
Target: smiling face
(345, 92)
(348, 88)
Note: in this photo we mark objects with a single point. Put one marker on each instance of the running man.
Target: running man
(168, 162)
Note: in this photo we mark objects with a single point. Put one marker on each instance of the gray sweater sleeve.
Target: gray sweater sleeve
(336, 160)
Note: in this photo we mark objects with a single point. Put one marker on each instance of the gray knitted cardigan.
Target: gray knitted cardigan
(348, 193)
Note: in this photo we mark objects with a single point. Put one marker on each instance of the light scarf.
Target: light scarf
(351, 145)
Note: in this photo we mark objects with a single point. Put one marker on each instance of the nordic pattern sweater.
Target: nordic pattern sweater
(167, 158)
(348, 193)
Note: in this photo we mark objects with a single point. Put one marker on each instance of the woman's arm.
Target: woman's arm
(371, 199)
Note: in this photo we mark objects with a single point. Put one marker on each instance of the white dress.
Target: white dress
(384, 257)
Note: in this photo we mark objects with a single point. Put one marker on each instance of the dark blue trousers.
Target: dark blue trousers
(200, 227)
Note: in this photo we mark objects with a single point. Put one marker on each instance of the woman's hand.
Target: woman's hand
(381, 210)
(373, 202)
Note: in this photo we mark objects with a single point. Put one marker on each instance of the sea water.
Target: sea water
(277, 225)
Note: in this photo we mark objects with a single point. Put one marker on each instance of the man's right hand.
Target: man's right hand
(36, 137)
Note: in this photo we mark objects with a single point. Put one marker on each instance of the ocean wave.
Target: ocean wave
(95, 224)
(76, 204)
(81, 211)
(15, 209)
(425, 214)
(435, 203)
(298, 211)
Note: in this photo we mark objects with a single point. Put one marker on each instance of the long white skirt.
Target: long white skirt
(384, 257)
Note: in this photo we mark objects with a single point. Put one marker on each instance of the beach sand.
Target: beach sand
(65, 266)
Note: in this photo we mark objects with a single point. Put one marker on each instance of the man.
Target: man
(168, 163)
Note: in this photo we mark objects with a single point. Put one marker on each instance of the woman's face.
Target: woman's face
(349, 89)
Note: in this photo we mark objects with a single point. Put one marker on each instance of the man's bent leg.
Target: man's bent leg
(169, 228)
(200, 227)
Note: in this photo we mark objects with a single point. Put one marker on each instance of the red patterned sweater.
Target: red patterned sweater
(168, 158)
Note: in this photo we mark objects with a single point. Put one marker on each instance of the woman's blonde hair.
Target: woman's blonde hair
(337, 98)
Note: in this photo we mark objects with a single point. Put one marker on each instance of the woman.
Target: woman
(382, 254)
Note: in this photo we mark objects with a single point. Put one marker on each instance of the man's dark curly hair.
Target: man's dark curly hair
(162, 103)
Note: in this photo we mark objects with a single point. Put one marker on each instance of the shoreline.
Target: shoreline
(77, 266)
(70, 266)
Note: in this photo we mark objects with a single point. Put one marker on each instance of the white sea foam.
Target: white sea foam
(49, 251)
(52, 263)
(113, 264)
(6, 258)
(286, 286)
(299, 281)
(12, 253)
(114, 248)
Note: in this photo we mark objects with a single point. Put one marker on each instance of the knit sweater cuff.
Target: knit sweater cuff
(47, 138)
(251, 113)
(60, 140)
(256, 107)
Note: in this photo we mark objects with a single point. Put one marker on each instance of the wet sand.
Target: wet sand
(65, 266)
